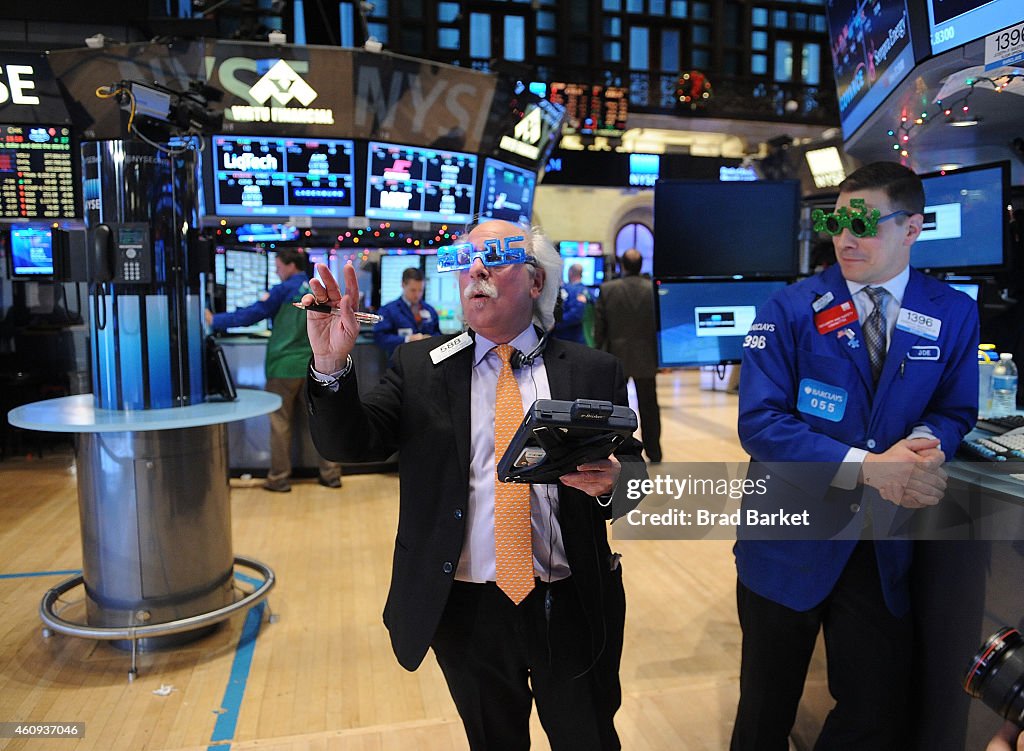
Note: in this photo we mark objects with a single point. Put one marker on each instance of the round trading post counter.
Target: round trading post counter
(153, 497)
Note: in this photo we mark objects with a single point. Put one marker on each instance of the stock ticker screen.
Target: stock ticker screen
(419, 184)
(256, 176)
(37, 176)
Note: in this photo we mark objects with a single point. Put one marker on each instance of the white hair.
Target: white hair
(540, 248)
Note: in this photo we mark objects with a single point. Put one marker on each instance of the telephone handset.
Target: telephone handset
(121, 253)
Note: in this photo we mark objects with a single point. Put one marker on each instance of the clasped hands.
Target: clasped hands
(908, 474)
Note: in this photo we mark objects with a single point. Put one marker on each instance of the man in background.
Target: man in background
(288, 354)
(408, 318)
(575, 299)
(624, 326)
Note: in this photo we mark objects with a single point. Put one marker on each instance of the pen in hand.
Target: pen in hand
(361, 316)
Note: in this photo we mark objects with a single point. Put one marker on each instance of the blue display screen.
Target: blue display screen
(31, 252)
(964, 220)
(269, 176)
(417, 184)
(507, 192)
(593, 269)
(956, 22)
(704, 323)
(871, 54)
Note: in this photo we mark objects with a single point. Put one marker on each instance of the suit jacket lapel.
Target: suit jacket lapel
(458, 374)
(914, 298)
(559, 370)
(836, 284)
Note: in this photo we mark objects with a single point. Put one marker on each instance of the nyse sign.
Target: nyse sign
(16, 81)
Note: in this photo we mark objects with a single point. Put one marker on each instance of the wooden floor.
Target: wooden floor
(322, 676)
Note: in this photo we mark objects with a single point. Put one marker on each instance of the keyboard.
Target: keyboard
(1008, 447)
(1000, 425)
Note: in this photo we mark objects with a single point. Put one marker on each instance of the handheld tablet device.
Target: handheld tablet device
(555, 436)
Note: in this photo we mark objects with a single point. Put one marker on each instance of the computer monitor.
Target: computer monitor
(271, 176)
(419, 184)
(952, 24)
(703, 322)
(708, 228)
(506, 192)
(969, 288)
(38, 167)
(575, 248)
(965, 221)
(391, 269)
(593, 269)
(442, 293)
(244, 274)
(31, 253)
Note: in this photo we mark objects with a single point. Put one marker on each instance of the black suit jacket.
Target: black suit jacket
(422, 410)
(624, 324)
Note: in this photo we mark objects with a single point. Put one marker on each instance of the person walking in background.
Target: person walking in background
(407, 318)
(624, 326)
(288, 354)
(575, 299)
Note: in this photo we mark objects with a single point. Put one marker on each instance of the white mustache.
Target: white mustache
(480, 287)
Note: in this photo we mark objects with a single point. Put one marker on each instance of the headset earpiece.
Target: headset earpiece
(519, 360)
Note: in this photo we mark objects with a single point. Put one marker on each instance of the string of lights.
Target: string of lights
(381, 236)
(955, 112)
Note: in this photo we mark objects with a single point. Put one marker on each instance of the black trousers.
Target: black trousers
(650, 416)
(868, 650)
(498, 657)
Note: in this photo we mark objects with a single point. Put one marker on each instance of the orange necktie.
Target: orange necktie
(513, 552)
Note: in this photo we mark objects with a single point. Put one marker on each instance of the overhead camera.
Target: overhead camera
(178, 113)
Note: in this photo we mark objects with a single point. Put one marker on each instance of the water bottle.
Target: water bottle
(1004, 386)
(987, 359)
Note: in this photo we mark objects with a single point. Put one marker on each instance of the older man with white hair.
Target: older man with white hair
(514, 587)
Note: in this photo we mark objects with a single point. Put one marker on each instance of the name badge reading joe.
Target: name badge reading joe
(821, 400)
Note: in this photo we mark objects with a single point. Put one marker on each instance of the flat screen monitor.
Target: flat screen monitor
(507, 192)
(269, 176)
(707, 228)
(256, 233)
(391, 269)
(593, 269)
(971, 289)
(704, 322)
(37, 172)
(441, 290)
(871, 54)
(952, 23)
(245, 275)
(31, 253)
(573, 248)
(965, 224)
(419, 184)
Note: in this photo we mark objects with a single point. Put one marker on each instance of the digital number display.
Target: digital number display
(37, 177)
(416, 184)
(268, 176)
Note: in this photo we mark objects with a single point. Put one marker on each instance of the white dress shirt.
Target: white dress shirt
(846, 477)
(476, 564)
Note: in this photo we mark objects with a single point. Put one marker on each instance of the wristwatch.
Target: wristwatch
(330, 381)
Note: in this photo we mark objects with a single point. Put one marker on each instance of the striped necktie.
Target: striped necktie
(875, 329)
(513, 552)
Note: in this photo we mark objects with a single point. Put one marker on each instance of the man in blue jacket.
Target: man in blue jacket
(288, 353)
(866, 375)
(575, 299)
(408, 318)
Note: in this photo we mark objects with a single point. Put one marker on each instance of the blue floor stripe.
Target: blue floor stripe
(26, 574)
(227, 721)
